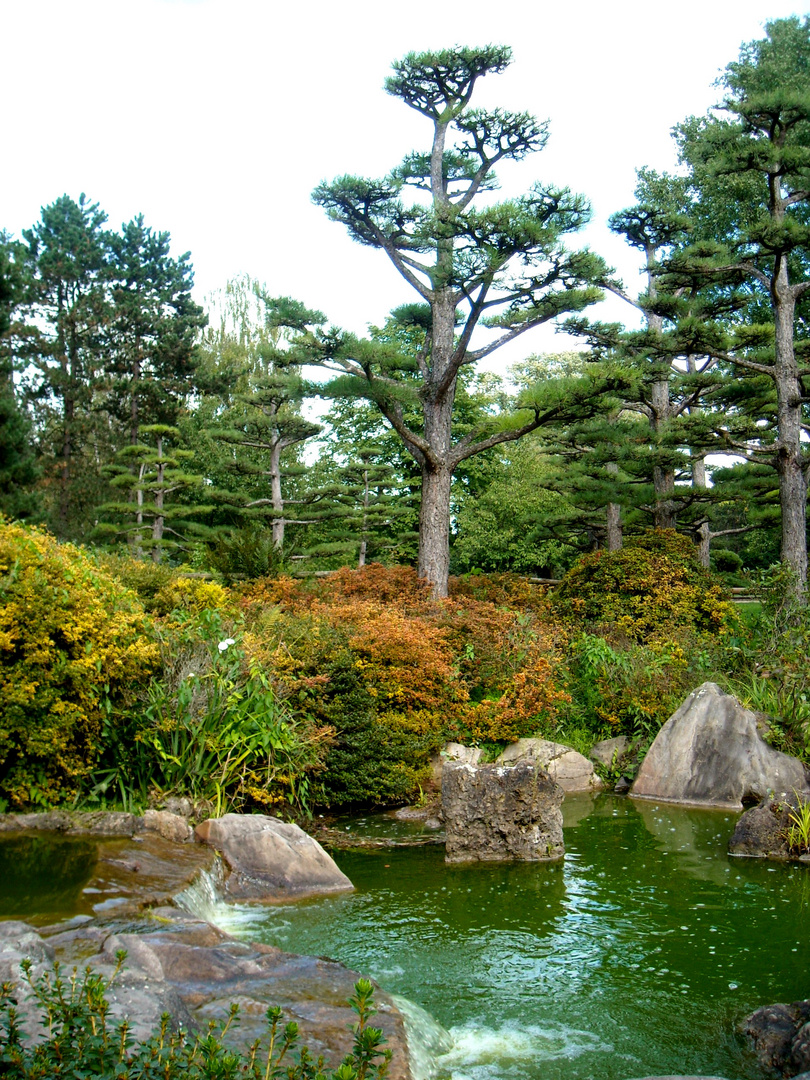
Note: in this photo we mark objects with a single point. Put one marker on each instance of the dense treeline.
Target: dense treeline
(132, 416)
(199, 465)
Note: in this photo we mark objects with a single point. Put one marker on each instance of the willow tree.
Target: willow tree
(473, 262)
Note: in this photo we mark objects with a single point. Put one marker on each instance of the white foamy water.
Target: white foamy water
(480, 1053)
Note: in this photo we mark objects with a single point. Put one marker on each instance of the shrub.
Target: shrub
(75, 647)
(81, 1040)
(649, 588)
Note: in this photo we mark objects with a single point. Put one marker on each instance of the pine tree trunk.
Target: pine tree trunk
(789, 465)
(434, 529)
(613, 513)
(157, 524)
(276, 498)
(704, 532)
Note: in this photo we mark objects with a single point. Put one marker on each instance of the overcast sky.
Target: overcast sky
(217, 118)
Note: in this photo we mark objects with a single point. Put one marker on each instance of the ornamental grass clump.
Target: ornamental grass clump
(76, 647)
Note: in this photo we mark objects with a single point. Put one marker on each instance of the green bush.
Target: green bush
(76, 648)
(650, 588)
(81, 1042)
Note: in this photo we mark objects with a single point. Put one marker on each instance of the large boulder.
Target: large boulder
(271, 860)
(496, 812)
(781, 1037)
(568, 767)
(711, 753)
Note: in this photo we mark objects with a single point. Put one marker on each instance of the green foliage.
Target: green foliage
(632, 688)
(798, 833)
(80, 1040)
(773, 657)
(649, 588)
(212, 727)
(75, 647)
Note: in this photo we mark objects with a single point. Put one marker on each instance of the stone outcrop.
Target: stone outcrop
(781, 1037)
(497, 812)
(70, 823)
(570, 769)
(193, 971)
(711, 753)
(271, 860)
(168, 825)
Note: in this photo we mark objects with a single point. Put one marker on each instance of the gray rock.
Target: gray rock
(761, 832)
(781, 1037)
(711, 753)
(453, 751)
(168, 825)
(271, 859)
(494, 812)
(571, 770)
(193, 971)
(75, 823)
(609, 752)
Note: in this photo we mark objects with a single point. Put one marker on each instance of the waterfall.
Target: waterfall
(427, 1039)
(204, 897)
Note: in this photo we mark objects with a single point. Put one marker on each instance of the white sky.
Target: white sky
(217, 119)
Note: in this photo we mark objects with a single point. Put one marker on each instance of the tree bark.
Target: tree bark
(276, 497)
(434, 528)
(157, 524)
(613, 513)
(789, 458)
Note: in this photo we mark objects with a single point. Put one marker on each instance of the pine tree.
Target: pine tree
(502, 264)
(68, 307)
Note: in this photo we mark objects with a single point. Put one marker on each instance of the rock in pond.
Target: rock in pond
(710, 753)
(762, 831)
(568, 767)
(781, 1037)
(497, 812)
(271, 860)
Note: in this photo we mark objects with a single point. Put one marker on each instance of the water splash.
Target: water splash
(427, 1040)
(204, 897)
(486, 1053)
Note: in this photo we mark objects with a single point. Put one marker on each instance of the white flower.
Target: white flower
(223, 645)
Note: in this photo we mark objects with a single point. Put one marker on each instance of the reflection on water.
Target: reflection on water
(43, 873)
(634, 956)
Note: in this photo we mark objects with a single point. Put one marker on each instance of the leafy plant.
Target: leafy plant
(80, 1041)
(798, 832)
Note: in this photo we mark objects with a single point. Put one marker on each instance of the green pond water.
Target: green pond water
(634, 956)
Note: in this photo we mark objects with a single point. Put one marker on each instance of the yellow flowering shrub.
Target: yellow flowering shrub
(75, 646)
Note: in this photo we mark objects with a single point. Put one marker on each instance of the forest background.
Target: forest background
(173, 630)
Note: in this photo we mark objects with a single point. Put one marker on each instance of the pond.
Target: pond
(634, 956)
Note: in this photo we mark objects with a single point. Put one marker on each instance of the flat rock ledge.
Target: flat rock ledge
(193, 971)
(711, 753)
(500, 812)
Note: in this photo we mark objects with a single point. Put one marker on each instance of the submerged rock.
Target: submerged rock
(571, 770)
(497, 812)
(710, 752)
(271, 859)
